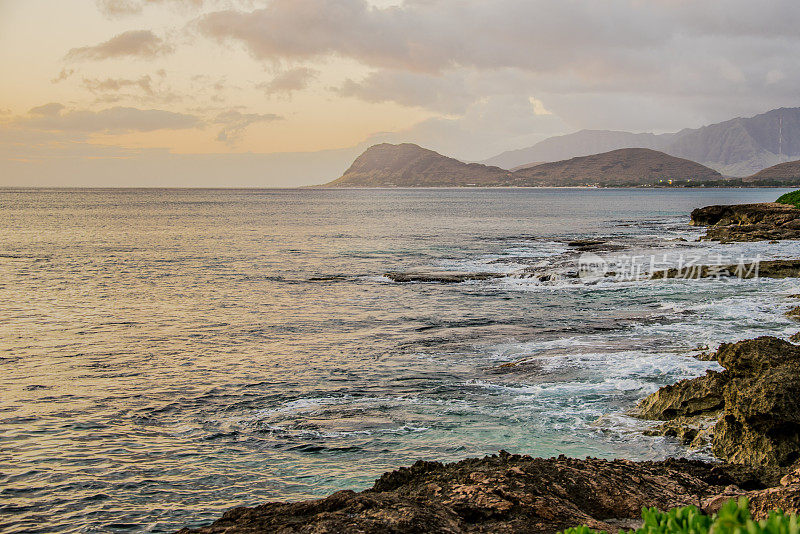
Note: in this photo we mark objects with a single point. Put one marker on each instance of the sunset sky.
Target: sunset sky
(287, 92)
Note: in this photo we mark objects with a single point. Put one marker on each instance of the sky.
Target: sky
(260, 93)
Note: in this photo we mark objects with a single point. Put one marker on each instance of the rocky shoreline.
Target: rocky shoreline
(748, 222)
(747, 415)
(513, 494)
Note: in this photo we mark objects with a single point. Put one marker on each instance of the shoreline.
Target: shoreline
(513, 493)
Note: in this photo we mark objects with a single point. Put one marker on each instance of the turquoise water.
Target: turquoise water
(167, 355)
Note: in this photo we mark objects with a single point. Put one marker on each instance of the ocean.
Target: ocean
(168, 354)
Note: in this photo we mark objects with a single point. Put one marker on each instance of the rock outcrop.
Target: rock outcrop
(441, 277)
(748, 222)
(501, 493)
(754, 403)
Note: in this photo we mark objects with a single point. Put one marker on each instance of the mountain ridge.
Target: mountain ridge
(622, 167)
(782, 172)
(409, 165)
(736, 147)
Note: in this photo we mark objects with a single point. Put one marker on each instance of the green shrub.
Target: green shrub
(793, 199)
(733, 518)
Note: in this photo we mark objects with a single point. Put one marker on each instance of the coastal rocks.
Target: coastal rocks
(594, 245)
(785, 496)
(762, 269)
(441, 277)
(755, 403)
(748, 222)
(695, 432)
(500, 493)
(687, 398)
(794, 314)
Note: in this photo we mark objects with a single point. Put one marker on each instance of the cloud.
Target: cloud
(536, 35)
(287, 82)
(143, 83)
(53, 109)
(668, 52)
(235, 123)
(117, 8)
(444, 93)
(55, 117)
(487, 127)
(432, 35)
(63, 75)
(134, 43)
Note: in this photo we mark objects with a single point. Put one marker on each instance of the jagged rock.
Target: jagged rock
(505, 493)
(442, 277)
(696, 432)
(791, 478)
(794, 314)
(757, 399)
(687, 398)
(748, 222)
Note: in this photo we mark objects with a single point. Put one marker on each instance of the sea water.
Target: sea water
(168, 354)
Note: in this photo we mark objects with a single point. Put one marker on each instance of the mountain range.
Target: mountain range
(737, 147)
(409, 165)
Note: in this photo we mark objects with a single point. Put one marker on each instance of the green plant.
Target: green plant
(733, 518)
(793, 199)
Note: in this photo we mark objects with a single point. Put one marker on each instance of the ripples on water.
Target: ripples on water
(169, 354)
